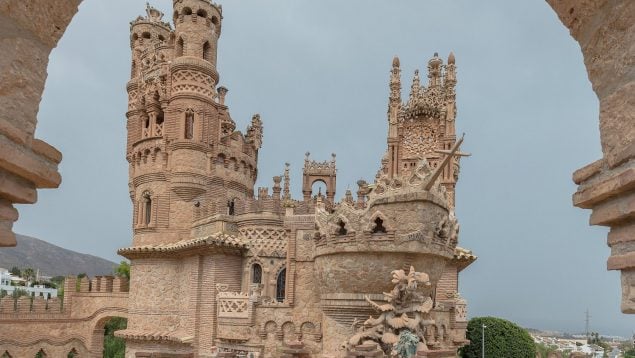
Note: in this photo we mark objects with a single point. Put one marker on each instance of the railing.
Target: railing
(233, 305)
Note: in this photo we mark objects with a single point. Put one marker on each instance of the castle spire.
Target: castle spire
(395, 91)
(287, 185)
(450, 71)
(416, 84)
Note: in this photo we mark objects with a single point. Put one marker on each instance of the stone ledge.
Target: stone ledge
(588, 171)
(28, 164)
(612, 186)
(621, 262)
(614, 211)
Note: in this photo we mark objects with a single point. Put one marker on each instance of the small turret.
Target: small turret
(434, 70)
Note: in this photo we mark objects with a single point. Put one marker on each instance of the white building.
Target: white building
(37, 290)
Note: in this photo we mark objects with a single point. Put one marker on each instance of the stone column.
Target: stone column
(605, 31)
(26, 163)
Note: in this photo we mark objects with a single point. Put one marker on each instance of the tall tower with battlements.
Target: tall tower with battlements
(185, 157)
(183, 148)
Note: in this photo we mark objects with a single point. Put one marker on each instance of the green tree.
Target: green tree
(114, 347)
(629, 353)
(28, 274)
(502, 339)
(123, 270)
(15, 271)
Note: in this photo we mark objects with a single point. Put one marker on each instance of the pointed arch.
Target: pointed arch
(256, 273)
(180, 47)
(207, 50)
(379, 218)
(281, 285)
(189, 124)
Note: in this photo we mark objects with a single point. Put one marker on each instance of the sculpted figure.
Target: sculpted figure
(402, 321)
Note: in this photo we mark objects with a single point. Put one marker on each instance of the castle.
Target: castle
(219, 267)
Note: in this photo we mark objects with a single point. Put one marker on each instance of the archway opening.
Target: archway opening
(114, 347)
(318, 189)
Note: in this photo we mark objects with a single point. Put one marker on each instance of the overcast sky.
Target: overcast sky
(317, 72)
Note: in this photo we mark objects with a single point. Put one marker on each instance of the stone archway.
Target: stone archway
(605, 30)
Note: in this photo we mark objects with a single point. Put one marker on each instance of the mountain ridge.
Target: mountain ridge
(52, 260)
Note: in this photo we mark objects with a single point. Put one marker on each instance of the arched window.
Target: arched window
(256, 273)
(231, 207)
(180, 46)
(40, 354)
(187, 11)
(161, 38)
(201, 13)
(215, 20)
(280, 285)
(189, 125)
(379, 226)
(146, 35)
(341, 230)
(206, 51)
(148, 208)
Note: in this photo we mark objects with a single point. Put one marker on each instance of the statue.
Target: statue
(400, 327)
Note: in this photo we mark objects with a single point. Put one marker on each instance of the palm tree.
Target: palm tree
(28, 274)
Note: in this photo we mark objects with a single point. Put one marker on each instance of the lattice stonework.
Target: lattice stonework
(233, 305)
(419, 139)
(185, 75)
(266, 242)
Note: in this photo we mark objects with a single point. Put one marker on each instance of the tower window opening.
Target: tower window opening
(231, 207)
(145, 35)
(189, 125)
(379, 226)
(201, 13)
(161, 38)
(280, 285)
(215, 20)
(160, 118)
(341, 230)
(256, 273)
(146, 123)
(187, 11)
(133, 69)
(148, 209)
(206, 51)
(180, 45)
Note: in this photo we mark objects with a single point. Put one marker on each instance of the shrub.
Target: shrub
(502, 339)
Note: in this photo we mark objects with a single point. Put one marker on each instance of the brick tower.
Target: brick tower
(185, 157)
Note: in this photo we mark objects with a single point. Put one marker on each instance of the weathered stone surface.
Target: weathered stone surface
(605, 30)
(29, 30)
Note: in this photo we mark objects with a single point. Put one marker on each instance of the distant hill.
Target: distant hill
(52, 260)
